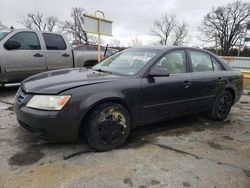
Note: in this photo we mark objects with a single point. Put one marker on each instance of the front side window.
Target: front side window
(128, 62)
(27, 40)
(174, 62)
(54, 42)
(201, 62)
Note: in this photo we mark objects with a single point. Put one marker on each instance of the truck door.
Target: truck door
(58, 54)
(26, 59)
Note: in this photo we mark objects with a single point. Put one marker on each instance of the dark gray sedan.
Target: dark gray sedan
(134, 87)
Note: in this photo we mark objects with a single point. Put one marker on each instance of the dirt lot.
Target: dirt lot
(188, 152)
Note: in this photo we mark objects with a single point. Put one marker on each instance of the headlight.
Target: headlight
(48, 102)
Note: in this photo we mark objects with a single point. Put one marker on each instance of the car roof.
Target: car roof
(167, 48)
(35, 30)
(162, 47)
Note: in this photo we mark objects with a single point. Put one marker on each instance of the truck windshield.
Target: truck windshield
(128, 62)
(3, 34)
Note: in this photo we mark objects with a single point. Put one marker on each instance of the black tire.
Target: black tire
(222, 106)
(107, 126)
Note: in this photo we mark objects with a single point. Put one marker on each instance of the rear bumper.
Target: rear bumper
(239, 92)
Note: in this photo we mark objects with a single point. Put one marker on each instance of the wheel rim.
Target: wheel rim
(111, 127)
(224, 106)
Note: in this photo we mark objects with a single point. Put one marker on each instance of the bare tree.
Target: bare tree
(27, 23)
(180, 34)
(135, 41)
(51, 22)
(2, 26)
(74, 27)
(169, 31)
(115, 42)
(225, 24)
(92, 39)
(37, 21)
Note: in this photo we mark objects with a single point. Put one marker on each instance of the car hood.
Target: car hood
(55, 82)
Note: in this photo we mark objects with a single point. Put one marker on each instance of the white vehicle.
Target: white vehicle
(26, 52)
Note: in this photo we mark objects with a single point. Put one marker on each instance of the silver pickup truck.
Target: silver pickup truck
(27, 52)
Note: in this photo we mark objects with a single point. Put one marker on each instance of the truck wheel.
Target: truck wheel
(222, 106)
(108, 126)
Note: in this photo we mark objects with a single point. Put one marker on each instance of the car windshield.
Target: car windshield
(128, 62)
(3, 34)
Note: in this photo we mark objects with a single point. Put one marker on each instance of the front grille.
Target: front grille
(20, 95)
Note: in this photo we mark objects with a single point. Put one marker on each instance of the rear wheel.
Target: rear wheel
(221, 106)
(108, 126)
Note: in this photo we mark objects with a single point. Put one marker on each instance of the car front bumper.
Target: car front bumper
(59, 126)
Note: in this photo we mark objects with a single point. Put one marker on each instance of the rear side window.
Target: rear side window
(201, 62)
(54, 42)
(217, 65)
(174, 62)
(27, 40)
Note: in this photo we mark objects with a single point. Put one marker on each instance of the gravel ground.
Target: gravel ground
(187, 152)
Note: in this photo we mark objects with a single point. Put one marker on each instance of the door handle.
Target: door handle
(186, 84)
(65, 55)
(38, 55)
(219, 81)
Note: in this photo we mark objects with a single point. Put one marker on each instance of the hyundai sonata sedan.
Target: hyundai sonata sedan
(134, 87)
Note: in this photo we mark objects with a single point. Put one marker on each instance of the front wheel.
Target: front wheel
(108, 126)
(222, 106)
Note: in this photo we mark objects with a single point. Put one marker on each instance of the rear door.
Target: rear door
(207, 78)
(58, 54)
(167, 96)
(25, 61)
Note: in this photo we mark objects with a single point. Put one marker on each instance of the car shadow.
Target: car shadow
(182, 126)
(33, 147)
(8, 90)
(7, 94)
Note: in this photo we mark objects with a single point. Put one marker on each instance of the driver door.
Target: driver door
(167, 96)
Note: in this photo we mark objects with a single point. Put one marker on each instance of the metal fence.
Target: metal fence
(242, 64)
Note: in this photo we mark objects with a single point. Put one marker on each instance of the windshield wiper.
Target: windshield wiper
(101, 70)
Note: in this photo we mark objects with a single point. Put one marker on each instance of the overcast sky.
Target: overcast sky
(131, 18)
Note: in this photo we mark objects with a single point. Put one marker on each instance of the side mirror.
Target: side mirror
(158, 72)
(12, 45)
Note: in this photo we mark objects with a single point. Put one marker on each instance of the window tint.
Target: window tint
(54, 41)
(201, 62)
(174, 62)
(28, 40)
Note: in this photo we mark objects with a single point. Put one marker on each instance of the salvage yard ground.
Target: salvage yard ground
(188, 152)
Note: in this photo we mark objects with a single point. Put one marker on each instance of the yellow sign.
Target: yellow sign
(99, 26)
